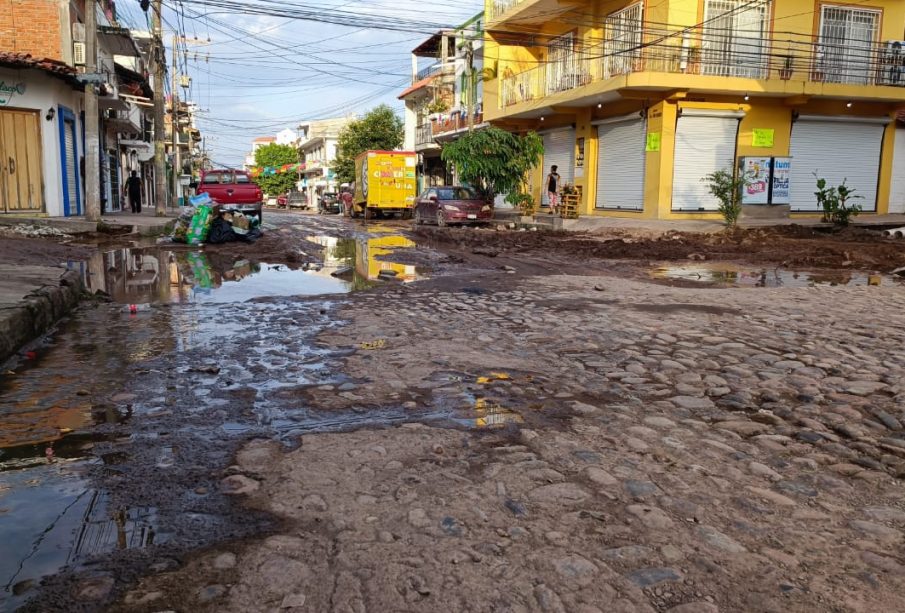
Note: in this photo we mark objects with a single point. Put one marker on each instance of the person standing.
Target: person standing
(553, 189)
(133, 191)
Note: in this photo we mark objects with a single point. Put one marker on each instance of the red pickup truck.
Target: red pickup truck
(233, 190)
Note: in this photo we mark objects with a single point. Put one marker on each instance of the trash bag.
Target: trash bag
(221, 232)
(253, 235)
(200, 226)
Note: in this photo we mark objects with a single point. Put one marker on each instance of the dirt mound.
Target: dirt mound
(793, 245)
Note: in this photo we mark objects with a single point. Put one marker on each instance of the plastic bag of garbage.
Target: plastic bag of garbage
(203, 198)
(200, 226)
(221, 232)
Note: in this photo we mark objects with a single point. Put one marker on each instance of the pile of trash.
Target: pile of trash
(204, 222)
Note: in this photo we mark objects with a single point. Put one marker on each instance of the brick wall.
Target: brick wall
(31, 26)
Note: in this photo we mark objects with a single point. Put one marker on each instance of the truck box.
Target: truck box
(386, 183)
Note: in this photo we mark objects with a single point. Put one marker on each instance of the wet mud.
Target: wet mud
(790, 246)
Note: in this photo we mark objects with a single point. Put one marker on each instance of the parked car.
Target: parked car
(445, 205)
(232, 190)
(297, 200)
(329, 203)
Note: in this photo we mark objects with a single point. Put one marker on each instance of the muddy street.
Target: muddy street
(362, 418)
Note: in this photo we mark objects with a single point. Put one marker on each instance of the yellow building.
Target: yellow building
(638, 100)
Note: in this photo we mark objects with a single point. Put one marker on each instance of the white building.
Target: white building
(255, 145)
(317, 148)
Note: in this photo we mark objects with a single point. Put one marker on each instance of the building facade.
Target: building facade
(637, 101)
(42, 108)
(318, 142)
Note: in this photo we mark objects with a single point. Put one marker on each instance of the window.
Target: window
(734, 38)
(241, 177)
(456, 193)
(845, 52)
(211, 178)
(623, 40)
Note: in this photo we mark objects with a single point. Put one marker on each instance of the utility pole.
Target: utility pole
(92, 140)
(160, 165)
(174, 121)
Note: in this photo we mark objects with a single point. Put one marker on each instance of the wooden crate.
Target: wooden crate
(569, 206)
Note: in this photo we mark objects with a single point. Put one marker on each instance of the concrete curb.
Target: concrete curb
(39, 310)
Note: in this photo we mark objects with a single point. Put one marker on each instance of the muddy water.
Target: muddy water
(732, 275)
(108, 428)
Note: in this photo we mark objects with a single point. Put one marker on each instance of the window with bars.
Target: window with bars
(846, 52)
(734, 39)
(623, 39)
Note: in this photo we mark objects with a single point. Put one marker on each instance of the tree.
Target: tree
(380, 129)
(275, 155)
(726, 186)
(494, 161)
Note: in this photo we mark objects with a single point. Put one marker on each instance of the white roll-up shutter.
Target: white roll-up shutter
(705, 143)
(897, 189)
(620, 164)
(71, 166)
(559, 151)
(835, 151)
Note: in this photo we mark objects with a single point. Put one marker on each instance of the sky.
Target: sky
(260, 74)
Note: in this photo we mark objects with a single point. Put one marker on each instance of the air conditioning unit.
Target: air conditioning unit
(892, 64)
(78, 32)
(78, 54)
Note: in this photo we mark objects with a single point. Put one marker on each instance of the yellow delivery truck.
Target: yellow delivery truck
(385, 184)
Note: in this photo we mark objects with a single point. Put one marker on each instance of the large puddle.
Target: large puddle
(167, 316)
(732, 275)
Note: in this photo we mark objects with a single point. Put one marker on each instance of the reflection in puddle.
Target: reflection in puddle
(492, 415)
(52, 518)
(737, 276)
(365, 257)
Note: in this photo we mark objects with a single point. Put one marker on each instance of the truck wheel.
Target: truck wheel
(407, 214)
(441, 220)
(368, 213)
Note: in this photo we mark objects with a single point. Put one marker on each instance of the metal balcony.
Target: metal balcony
(698, 52)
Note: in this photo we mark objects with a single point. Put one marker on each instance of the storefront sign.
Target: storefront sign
(782, 168)
(757, 172)
(579, 158)
(762, 137)
(8, 90)
(653, 141)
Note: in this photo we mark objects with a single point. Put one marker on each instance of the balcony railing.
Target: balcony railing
(424, 135)
(439, 68)
(453, 123)
(698, 52)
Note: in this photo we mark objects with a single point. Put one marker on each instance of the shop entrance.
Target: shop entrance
(21, 187)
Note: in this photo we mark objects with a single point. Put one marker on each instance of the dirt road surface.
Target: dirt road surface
(525, 430)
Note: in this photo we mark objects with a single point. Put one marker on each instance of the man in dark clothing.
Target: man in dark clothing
(133, 191)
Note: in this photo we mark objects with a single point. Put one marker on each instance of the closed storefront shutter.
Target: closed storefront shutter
(559, 150)
(620, 164)
(72, 168)
(897, 190)
(705, 143)
(835, 151)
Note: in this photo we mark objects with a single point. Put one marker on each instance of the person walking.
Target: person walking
(553, 189)
(132, 189)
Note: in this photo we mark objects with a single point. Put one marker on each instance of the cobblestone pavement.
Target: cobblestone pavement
(621, 446)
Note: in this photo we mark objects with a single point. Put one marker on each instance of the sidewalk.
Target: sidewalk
(32, 299)
(145, 222)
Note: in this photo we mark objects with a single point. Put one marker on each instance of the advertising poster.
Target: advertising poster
(781, 170)
(757, 170)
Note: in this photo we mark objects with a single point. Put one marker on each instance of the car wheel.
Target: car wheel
(441, 220)
(417, 218)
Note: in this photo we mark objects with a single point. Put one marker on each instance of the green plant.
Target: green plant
(275, 155)
(726, 186)
(834, 202)
(437, 106)
(494, 161)
(379, 129)
(522, 201)
(568, 189)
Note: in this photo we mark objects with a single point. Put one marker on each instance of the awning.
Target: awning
(117, 41)
(419, 85)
